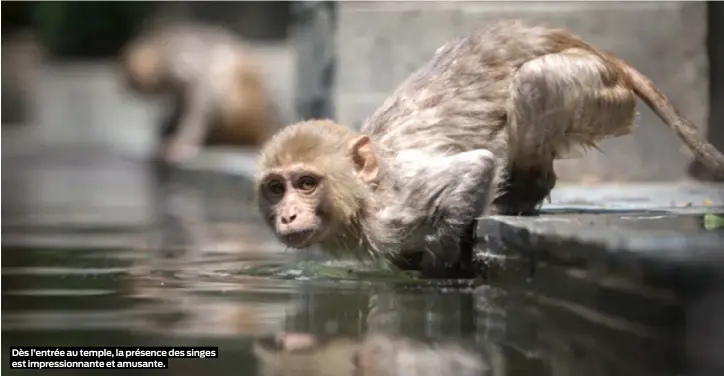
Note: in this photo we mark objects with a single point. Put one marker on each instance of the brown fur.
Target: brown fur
(319, 146)
(525, 94)
(216, 83)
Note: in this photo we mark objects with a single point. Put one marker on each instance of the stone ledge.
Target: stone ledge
(633, 244)
(650, 220)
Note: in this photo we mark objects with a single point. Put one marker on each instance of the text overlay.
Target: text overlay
(103, 357)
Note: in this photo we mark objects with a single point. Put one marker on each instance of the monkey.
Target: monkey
(322, 183)
(473, 132)
(215, 84)
(375, 354)
(22, 60)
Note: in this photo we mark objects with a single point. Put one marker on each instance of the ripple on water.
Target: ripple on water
(59, 292)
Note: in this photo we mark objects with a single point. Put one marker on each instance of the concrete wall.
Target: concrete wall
(314, 39)
(375, 45)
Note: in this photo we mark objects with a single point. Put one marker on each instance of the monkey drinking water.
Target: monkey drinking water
(474, 131)
(322, 183)
(214, 81)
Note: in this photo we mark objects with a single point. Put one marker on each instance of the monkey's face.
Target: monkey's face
(313, 184)
(292, 202)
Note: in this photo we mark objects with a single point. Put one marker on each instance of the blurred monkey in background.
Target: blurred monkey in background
(215, 83)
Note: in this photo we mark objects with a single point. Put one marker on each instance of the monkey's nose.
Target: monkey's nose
(288, 219)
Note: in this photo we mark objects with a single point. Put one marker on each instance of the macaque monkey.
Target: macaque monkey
(474, 131)
(214, 81)
(300, 354)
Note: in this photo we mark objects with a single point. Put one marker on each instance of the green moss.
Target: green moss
(713, 221)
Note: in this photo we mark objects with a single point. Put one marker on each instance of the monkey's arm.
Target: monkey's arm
(454, 190)
(193, 122)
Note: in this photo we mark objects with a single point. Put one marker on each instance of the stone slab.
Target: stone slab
(657, 221)
(594, 245)
(636, 196)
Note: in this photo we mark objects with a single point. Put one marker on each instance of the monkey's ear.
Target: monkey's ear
(364, 159)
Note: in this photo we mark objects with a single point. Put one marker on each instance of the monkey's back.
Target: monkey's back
(457, 100)
(245, 110)
(177, 47)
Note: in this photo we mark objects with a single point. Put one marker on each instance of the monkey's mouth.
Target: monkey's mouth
(298, 238)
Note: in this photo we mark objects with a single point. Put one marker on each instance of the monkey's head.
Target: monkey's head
(312, 181)
(142, 64)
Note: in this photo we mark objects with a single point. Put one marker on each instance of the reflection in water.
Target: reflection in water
(375, 354)
(181, 276)
(102, 297)
(189, 222)
(189, 286)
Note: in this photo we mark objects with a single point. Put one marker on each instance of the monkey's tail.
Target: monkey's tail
(704, 151)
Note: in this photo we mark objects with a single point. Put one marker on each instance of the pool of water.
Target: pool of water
(113, 259)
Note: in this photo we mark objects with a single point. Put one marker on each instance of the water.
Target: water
(102, 255)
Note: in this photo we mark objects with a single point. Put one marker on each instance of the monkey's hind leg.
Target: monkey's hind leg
(524, 190)
(559, 102)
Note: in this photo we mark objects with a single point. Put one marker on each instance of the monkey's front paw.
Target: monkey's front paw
(295, 341)
(179, 152)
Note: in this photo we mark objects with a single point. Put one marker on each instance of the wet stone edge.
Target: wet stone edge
(641, 276)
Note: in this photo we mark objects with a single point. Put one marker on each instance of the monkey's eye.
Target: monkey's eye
(275, 187)
(307, 183)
